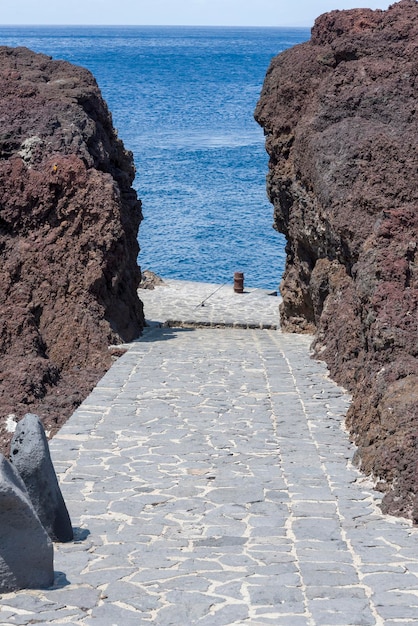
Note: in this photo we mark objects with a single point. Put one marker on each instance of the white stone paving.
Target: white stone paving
(209, 479)
(187, 303)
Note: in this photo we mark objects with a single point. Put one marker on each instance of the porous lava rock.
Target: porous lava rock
(26, 551)
(150, 280)
(341, 124)
(69, 219)
(30, 456)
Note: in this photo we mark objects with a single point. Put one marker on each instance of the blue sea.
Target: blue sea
(182, 99)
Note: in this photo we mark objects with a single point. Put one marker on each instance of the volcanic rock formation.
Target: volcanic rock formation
(68, 237)
(341, 123)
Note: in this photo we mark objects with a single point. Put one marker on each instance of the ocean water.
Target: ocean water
(182, 99)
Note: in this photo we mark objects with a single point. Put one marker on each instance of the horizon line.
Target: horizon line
(154, 25)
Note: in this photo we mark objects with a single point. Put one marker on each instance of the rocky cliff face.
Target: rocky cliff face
(341, 123)
(68, 237)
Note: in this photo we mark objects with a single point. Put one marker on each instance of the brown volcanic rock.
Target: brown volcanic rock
(340, 116)
(68, 226)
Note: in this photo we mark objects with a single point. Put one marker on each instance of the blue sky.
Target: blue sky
(171, 12)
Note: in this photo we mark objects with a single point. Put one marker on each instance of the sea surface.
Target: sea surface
(182, 99)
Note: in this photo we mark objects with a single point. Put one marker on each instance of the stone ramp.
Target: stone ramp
(209, 478)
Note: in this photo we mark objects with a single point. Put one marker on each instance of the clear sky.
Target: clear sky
(175, 12)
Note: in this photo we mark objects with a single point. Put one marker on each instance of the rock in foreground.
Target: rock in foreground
(340, 115)
(68, 237)
(26, 551)
(30, 456)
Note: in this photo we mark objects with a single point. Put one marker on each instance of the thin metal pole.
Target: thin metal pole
(209, 296)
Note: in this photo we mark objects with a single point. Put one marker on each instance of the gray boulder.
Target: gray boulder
(26, 551)
(29, 453)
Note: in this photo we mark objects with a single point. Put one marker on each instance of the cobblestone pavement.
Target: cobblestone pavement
(209, 481)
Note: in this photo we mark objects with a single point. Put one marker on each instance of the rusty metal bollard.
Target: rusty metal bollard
(238, 282)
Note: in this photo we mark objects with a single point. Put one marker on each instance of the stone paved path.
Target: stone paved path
(208, 476)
